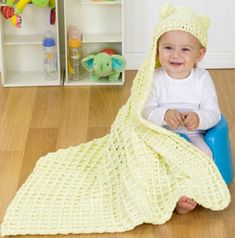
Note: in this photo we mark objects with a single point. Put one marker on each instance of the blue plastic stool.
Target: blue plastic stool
(217, 138)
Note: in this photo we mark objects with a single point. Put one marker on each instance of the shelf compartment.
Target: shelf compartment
(94, 48)
(101, 25)
(105, 37)
(85, 80)
(93, 19)
(22, 39)
(23, 57)
(28, 78)
(22, 53)
(24, 66)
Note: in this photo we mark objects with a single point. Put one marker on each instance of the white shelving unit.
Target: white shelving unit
(101, 24)
(22, 55)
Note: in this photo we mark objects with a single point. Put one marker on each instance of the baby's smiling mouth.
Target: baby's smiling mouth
(175, 63)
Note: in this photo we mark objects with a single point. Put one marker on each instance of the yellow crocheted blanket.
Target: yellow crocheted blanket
(134, 175)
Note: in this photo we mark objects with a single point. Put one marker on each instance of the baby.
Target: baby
(183, 97)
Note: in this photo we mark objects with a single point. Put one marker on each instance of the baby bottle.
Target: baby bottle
(74, 58)
(50, 58)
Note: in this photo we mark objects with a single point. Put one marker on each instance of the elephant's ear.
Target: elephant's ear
(88, 63)
(119, 63)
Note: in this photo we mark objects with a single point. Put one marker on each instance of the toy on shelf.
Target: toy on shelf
(74, 54)
(51, 4)
(7, 12)
(109, 51)
(13, 9)
(105, 65)
(50, 56)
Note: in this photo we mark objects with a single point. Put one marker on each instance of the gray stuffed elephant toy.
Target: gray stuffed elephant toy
(104, 65)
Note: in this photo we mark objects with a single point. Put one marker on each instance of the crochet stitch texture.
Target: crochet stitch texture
(184, 19)
(133, 175)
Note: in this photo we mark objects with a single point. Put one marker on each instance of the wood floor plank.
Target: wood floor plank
(225, 86)
(104, 104)
(97, 132)
(10, 167)
(184, 227)
(46, 113)
(73, 117)
(39, 143)
(3, 99)
(15, 121)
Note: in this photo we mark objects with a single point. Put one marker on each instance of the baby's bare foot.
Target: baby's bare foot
(185, 205)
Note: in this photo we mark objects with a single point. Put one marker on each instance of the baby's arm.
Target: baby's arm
(209, 113)
(152, 111)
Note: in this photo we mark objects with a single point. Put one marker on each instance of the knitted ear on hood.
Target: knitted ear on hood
(166, 10)
(205, 21)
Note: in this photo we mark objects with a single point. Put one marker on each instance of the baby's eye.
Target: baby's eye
(168, 47)
(185, 49)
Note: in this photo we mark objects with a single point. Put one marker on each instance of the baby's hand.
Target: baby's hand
(173, 118)
(191, 120)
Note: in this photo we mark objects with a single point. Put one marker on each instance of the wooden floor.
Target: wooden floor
(35, 121)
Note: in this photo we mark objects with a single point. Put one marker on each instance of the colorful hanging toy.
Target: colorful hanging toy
(13, 9)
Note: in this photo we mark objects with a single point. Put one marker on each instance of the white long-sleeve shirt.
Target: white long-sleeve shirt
(195, 93)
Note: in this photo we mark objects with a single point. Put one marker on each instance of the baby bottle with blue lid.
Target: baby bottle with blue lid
(50, 57)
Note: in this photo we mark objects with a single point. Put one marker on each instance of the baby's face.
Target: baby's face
(178, 52)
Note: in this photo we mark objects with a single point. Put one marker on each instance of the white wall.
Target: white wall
(141, 17)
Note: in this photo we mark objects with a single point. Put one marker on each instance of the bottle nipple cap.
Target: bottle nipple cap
(74, 39)
(74, 43)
